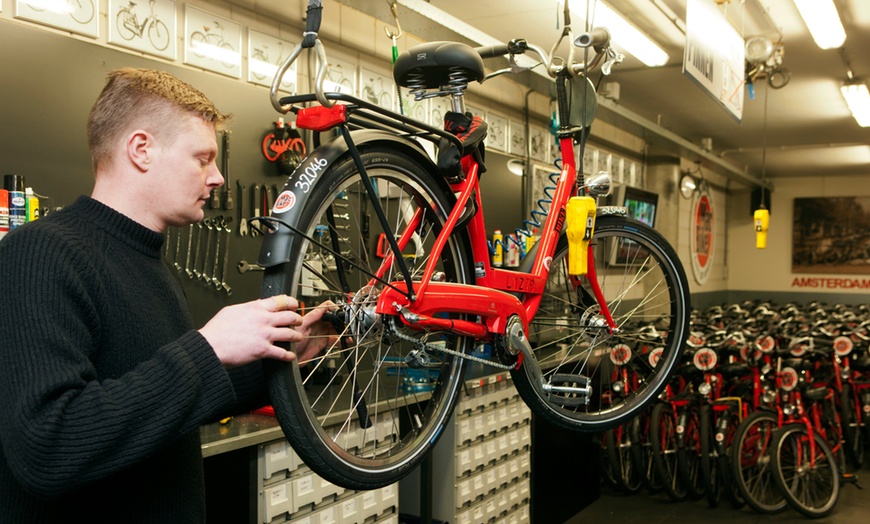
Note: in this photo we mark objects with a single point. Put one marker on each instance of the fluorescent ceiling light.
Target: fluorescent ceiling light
(858, 99)
(823, 21)
(624, 35)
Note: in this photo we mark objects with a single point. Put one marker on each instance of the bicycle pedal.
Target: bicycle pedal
(568, 390)
(850, 478)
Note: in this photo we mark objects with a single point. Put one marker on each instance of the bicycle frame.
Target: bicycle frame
(493, 297)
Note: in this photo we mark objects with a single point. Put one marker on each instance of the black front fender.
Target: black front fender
(278, 242)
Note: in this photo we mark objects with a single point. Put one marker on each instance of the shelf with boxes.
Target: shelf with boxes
(289, 492)
(481, 466)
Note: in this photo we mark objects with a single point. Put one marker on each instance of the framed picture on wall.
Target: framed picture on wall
(538, 138)
(418, 110)
(518, 138)
(437, 109)
(266, 54)
(212, 42)
(340, 77)
(497, 134)
(77, 16)
(829, 235)
(376, 88)
(147, 28)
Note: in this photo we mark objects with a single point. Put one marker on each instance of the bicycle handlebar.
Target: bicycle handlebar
(598, 39)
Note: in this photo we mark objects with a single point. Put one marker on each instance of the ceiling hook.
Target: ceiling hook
(394, 9)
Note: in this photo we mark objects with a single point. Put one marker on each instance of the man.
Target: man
(104, 381)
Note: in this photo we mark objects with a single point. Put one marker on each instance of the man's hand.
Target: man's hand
(318, 334)
(243, 333)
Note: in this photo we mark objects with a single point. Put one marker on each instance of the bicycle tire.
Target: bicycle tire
(689, 452)
(642, 452)
(663, 437)
(618, 446)
(811, 487)
(709, 458)
(644, 286)
(750, 460)
(411, 401)
(853, 433)
(724, 441)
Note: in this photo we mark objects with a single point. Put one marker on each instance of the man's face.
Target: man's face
(185, 173)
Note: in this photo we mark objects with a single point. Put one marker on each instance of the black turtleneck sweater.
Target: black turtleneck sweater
(104, 381)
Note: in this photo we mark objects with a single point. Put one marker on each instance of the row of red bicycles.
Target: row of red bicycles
(769, 409)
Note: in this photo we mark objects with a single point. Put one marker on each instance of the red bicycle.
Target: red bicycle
(366, 410)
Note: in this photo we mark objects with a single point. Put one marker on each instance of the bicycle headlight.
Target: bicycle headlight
(705, 389)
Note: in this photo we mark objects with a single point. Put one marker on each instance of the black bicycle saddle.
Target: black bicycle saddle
(430, 65)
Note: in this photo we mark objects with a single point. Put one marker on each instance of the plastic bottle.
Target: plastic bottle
(32, 203)
(498, 256)
(513, 251)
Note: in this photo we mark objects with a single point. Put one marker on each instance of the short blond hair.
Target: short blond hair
(143, 98)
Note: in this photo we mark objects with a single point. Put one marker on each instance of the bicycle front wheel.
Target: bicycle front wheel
(365, 411)
(805, 471)
(750, 460)
(647, 293)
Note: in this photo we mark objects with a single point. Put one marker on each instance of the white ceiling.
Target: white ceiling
(809, 130)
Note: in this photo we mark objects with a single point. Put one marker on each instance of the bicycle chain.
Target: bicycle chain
(455, 353)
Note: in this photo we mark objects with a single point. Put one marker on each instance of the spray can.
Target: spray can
(14, 184)
(4, 212)
(498, 256)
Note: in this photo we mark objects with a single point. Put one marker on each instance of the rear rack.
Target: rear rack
(365, 115)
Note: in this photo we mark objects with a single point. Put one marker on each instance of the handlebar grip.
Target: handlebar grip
(516, 46)
(596, 38)
(312, 23)
(491, 51)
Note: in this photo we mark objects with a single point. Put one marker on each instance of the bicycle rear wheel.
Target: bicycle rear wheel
(365, 411)
(646, 291)
(805, 471)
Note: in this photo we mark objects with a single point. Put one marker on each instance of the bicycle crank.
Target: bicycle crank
(564, 389)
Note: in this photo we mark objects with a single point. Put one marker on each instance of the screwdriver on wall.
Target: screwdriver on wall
(225, 169)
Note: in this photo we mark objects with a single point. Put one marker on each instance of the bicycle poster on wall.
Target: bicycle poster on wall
(77, 16)
(265, 55)
(147, 27)
(212, 42)
(830, 235)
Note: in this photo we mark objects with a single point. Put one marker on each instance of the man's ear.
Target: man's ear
(140, 149)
